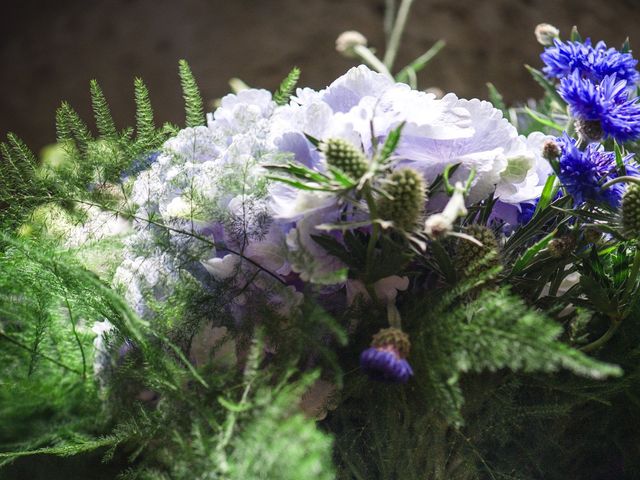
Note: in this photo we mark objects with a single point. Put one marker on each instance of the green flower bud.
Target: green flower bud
(592, 235)
(546, 34)
(345, 157)
(551, 150)
(347, 42)
(561, 246)
(631, 211)
(394, 338)
(408, 193)
(471, 258)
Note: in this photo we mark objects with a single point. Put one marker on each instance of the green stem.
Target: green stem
(77, 338)
(633, 275)
(375, 227)
(623, 179)
(368, 57)
(396, 33)
(615, 324)
(46, 357)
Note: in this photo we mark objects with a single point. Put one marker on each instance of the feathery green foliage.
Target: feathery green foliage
(147, 137)
(191, 95)
(285, 90)
(21, 187)
(104, 121)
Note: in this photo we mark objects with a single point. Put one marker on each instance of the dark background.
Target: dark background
(50, 49)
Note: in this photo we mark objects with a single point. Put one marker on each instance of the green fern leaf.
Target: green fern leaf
(104, 120)
(285, 90)
(146, 136)
(191, 94)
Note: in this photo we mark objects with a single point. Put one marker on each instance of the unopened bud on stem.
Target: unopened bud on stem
(347, 41)
(545, 34)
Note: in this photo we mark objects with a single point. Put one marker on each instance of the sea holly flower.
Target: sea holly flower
(591, 63)
(386, 360)
(407, 196)
(583, 173)
(605, 109)
(631, 211)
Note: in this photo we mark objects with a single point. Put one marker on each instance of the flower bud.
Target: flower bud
(545, 34)
(592, 235)
(385, 360)
(347, 41)
(561, 246)
(345, 157)
(631, 211)
(551, 150)
(471, 258)
(408, 192)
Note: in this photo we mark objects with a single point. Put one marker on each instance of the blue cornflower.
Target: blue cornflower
(592, 63)
(385, 359)
(583, 173)
(607, 108)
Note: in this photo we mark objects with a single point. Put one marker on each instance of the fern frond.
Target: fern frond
(71, 128)
(285, 90)
(21, 188)
(104, 120)
(496, 330)
(146, 136)
(191, 94)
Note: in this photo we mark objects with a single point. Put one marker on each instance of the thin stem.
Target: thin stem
(613, 327)
(420, 62)
(77, 338)
(633, 275)
(623, 179)
(185, 232)
(46, 357)
(368, 57)
(396, 33)
(373, 239)
(375, 227)
(389, 17)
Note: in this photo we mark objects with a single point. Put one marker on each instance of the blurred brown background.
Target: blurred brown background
(49, 50)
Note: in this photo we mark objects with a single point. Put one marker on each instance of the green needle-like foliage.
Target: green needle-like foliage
(285, 90)
(191, 95)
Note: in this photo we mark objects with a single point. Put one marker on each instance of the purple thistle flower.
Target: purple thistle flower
(385, 359)
(385, 365)
(606, 107)
(583, 173)
(592, 63)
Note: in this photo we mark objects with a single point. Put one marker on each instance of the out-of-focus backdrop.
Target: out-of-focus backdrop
(49, 50)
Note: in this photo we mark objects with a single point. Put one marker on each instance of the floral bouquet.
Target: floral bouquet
(366, 281)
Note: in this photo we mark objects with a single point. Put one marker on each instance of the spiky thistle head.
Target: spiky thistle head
(344, 156)
(631, 211)
(407, 193)
(386, 360)
(472, 258)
